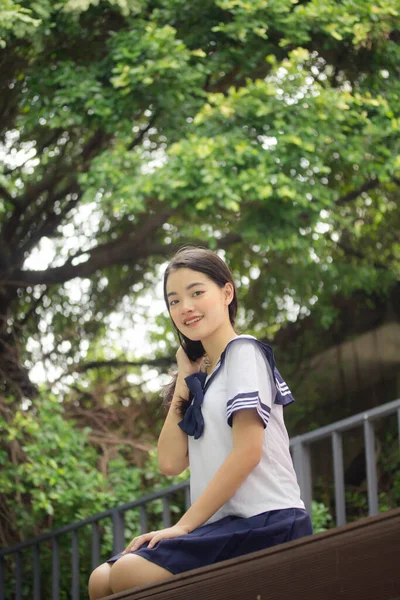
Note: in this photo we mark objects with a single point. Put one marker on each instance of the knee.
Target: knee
(122, 574)
(99, 582)
(131, 571)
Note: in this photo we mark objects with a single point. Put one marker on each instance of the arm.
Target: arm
(248, 433)
(248, 424)
(172, 442)
(173, 455)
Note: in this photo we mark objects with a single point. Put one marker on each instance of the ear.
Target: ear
(229, 293)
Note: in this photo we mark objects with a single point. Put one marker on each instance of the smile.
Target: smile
(191, 322)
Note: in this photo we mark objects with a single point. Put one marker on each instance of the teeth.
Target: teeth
(192, 321)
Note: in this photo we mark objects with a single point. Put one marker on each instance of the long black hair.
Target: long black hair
(207, 262)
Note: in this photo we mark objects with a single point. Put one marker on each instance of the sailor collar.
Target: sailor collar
(193, 422)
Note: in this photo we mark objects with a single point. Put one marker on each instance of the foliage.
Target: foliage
(389, 469)
(16, 18)
(54, 472)
(321, 517)
(355, 480)
(266, 130)
(388, 473)
(57, 482)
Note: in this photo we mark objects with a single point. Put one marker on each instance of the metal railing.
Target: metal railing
(301, 452)
(115, 514)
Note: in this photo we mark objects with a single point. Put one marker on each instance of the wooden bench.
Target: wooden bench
(360, 561)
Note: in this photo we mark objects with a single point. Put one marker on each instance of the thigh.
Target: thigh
(99, 582)
(131, 571)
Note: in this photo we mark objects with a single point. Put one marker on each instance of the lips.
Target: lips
(192, 321)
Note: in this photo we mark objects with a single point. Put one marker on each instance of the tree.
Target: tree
(267, 129)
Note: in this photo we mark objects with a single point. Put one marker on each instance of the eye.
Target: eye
(198, 292)
(172, 302)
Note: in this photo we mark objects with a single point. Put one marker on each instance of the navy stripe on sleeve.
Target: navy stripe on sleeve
(247, 400)
(282, 387)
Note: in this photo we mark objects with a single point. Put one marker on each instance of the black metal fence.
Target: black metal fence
(301, 447)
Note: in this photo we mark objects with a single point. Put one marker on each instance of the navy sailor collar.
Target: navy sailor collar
(193, 422)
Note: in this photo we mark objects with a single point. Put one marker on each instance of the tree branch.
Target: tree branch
(235, 78)
(358, 254)
(139, 137)
(31, 194)
(32, 310)
(55, 134)
(6, 194)
(51, 222)
(51, 180)
(365, 187)
(127, 250)
(163, 361)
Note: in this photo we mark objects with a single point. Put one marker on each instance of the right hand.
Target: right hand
(185, 365)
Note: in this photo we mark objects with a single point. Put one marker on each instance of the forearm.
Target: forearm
(233, 472)
(172, 441)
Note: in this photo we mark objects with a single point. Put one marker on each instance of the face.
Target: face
(197, 305)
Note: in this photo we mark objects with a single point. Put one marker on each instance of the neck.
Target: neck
(216, 343)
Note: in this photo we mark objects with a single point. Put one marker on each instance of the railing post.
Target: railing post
(398, 425)
(166, 512)
(75, 566)
(143, 519)
(2, 577)
(36, 572)
(337, 449)
(95, 545)
(372, 483)
(18, 576)
(56, 570)
(118, 531)
(302, 466)
(187, 497)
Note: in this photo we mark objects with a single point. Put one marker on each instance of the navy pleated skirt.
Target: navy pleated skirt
(227, 538)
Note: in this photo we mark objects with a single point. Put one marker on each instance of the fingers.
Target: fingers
(154, 541)
(138, 541)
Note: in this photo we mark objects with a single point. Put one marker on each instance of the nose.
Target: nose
(186, 306)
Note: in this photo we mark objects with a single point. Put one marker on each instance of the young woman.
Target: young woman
(225, 421)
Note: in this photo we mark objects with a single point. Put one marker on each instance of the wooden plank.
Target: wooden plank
(358, 560)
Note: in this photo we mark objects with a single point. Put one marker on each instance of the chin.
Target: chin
(193, 337)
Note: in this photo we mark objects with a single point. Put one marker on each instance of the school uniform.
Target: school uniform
(267, 508)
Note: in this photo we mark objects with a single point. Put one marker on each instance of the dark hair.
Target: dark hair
(207, 262)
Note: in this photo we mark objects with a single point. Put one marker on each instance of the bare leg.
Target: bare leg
(132, 571)
(99, 582)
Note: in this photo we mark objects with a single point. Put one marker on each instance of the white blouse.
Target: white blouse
(243, 379)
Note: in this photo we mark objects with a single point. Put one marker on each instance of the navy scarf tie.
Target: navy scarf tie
(193, 422)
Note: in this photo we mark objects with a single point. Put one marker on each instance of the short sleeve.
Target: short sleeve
(249, 380)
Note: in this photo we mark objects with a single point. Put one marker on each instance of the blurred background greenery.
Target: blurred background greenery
(265, 130)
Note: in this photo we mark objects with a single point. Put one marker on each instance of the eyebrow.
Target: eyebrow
(188, 287)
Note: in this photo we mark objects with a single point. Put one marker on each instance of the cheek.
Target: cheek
(210, 305)
(174, 317)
